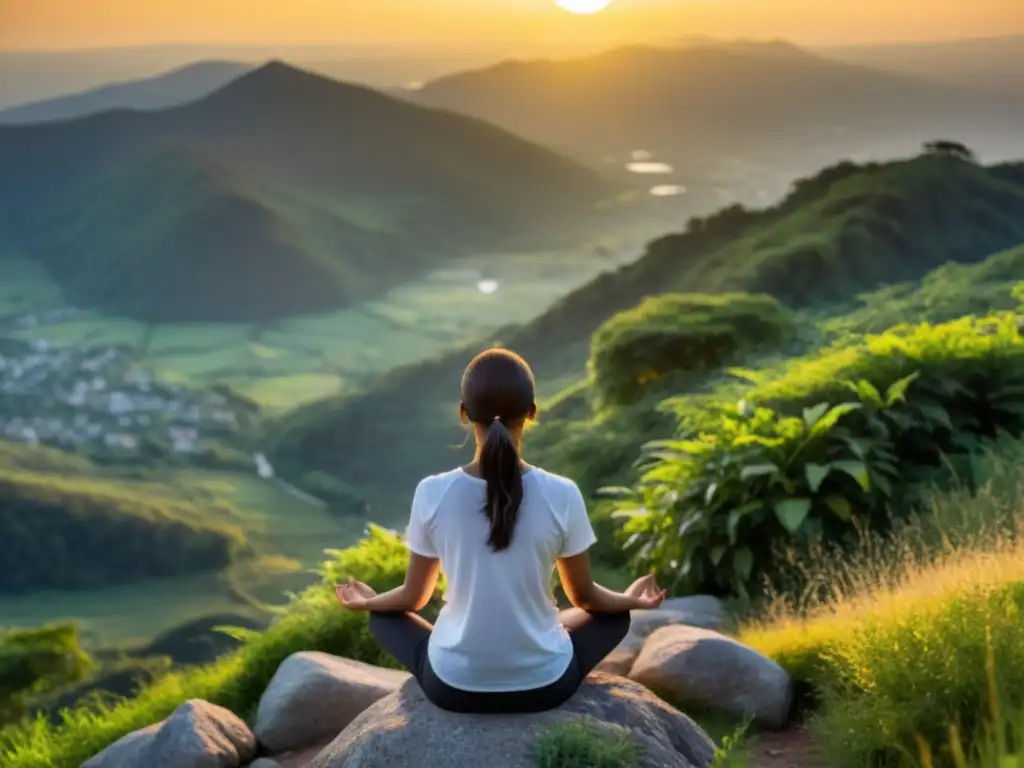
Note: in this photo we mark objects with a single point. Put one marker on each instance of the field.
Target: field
(305, 358)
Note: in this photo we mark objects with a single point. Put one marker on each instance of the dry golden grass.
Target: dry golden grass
(912, 641)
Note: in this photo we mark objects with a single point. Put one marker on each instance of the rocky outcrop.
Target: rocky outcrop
(369, 716)
(689, 665)
(313, 696)
(197, 735)
(404, 730)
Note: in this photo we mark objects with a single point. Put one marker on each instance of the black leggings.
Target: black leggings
(594, 635)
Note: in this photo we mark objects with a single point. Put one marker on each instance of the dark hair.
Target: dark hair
(498, 392)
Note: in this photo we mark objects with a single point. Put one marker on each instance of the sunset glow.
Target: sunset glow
(51, 24)
(584, 6)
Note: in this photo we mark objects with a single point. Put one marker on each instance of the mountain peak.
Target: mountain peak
(287, 86)
(275, 73)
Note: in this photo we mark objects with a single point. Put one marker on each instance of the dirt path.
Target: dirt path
(793, 748)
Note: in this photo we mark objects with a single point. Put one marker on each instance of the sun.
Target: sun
(584, 6)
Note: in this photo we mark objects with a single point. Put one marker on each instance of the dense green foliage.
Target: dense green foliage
(847, 229)
(168, 216)
(843, 436)
(313, 622)
(84, 529)
(33, 661)
(675, 334)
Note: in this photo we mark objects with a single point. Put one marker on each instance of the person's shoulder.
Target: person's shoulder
(431, 488)
(565, 488)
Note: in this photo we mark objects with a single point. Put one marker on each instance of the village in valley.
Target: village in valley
(98, 400)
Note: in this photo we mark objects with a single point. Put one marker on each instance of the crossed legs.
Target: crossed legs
(594, 635)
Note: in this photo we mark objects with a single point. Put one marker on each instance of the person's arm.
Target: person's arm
(415, 592)
(585, 593)
(574, 561)
(574, 568)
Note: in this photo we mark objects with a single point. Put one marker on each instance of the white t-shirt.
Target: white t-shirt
(499, 628)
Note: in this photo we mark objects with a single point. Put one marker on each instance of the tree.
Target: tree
(954, 149)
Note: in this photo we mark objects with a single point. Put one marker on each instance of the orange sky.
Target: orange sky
(50, 24)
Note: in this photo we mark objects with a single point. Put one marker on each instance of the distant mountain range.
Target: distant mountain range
(283, 192)
(167, 90)
(994, 64)
(770, 102)
(38, 75)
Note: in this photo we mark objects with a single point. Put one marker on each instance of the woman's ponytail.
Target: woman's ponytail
(498, 396)
(499, 466)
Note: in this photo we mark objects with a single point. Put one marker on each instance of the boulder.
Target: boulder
(689, 665)
(314, 695)
(197, 735)
(404, 730)
(695, 611)
(702, 611)
(125, 751)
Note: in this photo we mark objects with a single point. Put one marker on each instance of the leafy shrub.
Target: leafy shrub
(679, 333)
(874, 423)
(314, 621)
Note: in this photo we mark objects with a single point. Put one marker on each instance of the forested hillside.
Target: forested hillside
(850, 229)
(334, 193)
(66, 523)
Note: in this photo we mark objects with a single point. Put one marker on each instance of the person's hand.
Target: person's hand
(354, 595)
(645, 592)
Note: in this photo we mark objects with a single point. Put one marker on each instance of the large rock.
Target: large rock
(703, 611)
(642, 624)
(404, 730)
(693, 665)
(125, 751)
(314, 695)
(197, 735)
(696, 611)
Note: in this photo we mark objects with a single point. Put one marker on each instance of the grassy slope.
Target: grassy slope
(65, 524)
(919, 634)
(847, 229)
(335, 193)
(945, 293)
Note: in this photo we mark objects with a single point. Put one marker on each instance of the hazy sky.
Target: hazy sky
(50, 24)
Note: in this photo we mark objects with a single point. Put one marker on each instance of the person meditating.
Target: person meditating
(498, 527)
